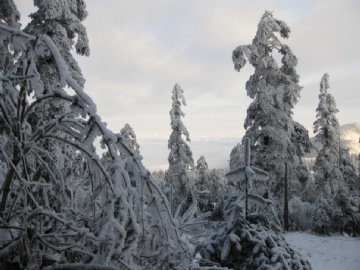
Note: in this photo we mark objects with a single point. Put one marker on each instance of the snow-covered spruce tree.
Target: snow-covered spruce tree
(202, 193)
(159, 176)
(236, 157)
(321, 219)
(209, 189)
(250, 239)
(9, 15)
(219, 193)
(242, 245)
(256, 207)
(276, 138)
(327, 132)
(348, 170)
(346, 216)
(61, 20)
(202, 166)
(124, 222)
(130, 138)
(180, 156)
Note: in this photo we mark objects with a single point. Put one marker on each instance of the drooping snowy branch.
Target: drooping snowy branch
(71, 206)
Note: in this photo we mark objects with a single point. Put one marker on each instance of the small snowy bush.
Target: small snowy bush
(240, 244)
(300, 214)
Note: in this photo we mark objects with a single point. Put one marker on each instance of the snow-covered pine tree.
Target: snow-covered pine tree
(240, 244)
(346, 216)
(321, 219)
(220, 193)
(62, 21)
(202, 166)
(209, 189)
(180, 156)
(334, 171)
(276, 138)
(159, 176)
(179, 150)
(129, 137)
(256, 208)
(9, 14)
(327, 132)
(236, 157)
(202, 193)
(348, 170)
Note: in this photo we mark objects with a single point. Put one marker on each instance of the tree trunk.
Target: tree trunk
(286, 201)
(246, 196)
(7, 183)
(171, 201)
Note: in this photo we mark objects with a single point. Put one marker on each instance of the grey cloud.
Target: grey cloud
(140, 49)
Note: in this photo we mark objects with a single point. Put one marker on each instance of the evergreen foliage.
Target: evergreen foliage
(348, 170)
(129, 137)
(301, 214)
(202, 166)
(210, 189)
(180, 157)
(236, 157)
(179, 150)
(9, 14)
(276, 138)
(243, 244)
(327, 130)
(246, 176)
(61, 20)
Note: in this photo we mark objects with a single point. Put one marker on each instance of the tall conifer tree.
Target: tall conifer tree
(180, 156)
(327, 132)
(276, 138)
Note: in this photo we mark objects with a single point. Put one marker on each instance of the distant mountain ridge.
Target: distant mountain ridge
(349, 138)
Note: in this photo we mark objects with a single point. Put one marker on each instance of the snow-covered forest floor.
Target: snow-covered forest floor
(327, 252)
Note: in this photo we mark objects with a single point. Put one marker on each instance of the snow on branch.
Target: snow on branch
(118, 217)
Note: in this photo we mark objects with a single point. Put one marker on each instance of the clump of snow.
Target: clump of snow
(327, 252)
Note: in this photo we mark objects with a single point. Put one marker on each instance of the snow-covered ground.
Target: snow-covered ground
(327, 252)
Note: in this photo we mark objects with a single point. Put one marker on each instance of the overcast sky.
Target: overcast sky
(140, 49)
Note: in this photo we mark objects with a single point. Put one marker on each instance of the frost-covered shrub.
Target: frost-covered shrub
(345, 215)
(321, 218)
(300, 214)
(210, 190)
